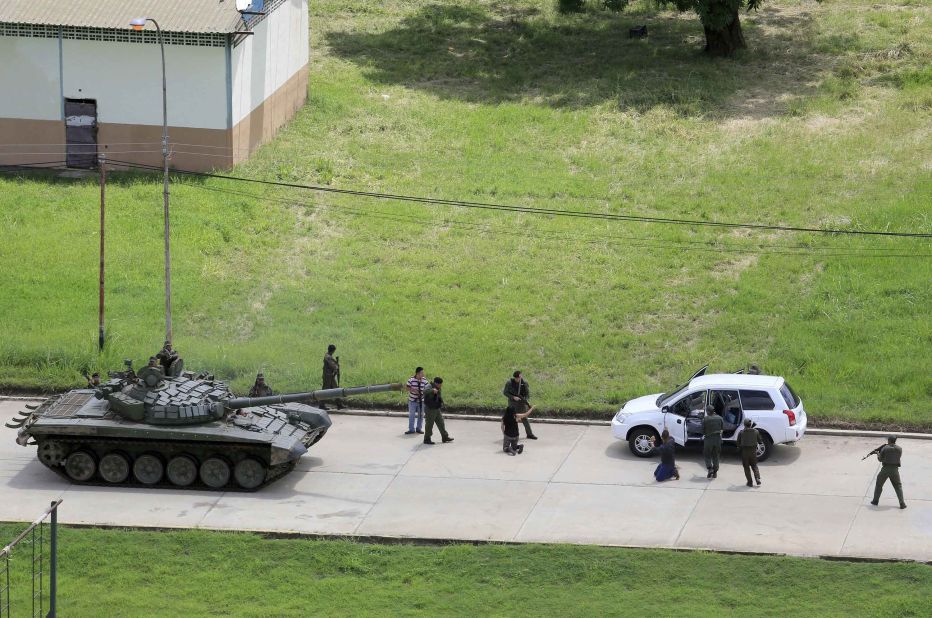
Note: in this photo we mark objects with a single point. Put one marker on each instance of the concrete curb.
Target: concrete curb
(862, 433)
(857, 433)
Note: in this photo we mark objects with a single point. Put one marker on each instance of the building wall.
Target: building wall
(126, 80)
(222, 102)
(31, 125)
(269, 76)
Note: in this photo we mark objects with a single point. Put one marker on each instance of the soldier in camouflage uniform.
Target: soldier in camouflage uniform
(712, 427)
(167, 355)
(889, 455)
(747, 442)
(331, 376)
(260, 388)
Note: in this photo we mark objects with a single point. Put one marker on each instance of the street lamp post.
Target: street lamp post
(138, 24)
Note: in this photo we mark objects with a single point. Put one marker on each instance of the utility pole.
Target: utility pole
(103, 203)
(138, 24)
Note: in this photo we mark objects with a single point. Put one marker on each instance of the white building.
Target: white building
(77, 81)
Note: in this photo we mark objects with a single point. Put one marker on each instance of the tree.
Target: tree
(719, 19)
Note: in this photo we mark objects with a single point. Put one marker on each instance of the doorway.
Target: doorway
(81, 133)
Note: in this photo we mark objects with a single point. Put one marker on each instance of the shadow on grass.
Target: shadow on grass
(501, 54)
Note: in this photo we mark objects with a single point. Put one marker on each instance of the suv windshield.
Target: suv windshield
(788, 395)
(665, 397)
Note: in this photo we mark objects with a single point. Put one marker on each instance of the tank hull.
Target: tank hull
(86, 441)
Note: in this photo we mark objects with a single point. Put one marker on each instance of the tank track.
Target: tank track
(232, 453)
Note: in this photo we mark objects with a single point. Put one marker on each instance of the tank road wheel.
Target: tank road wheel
(182, 470)
(249, 473)
(215, 472)
(148, 469)
(51, 453)
(80, 466)
(114, 467)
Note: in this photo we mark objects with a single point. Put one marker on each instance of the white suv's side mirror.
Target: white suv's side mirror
(665, 409)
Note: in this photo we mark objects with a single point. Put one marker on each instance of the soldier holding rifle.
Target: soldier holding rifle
(517, 392)
(331, 377)
(889, 456)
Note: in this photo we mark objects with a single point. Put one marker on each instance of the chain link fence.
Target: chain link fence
(28, 569)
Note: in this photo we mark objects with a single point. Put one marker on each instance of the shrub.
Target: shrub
(571, 6)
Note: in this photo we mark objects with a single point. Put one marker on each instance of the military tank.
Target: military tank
(181, 430)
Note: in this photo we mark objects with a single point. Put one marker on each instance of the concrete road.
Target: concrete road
(574, 485)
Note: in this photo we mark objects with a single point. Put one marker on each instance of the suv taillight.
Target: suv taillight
(790, 416)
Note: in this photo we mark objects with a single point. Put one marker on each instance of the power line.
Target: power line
(649, 243)
(548, 211)
(847, 252)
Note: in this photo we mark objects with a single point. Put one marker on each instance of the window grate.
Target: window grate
(118, 35)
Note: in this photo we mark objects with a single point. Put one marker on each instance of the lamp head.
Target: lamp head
(139, 23)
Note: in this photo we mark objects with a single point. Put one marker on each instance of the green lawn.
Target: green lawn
(198, 573)
(825, 122)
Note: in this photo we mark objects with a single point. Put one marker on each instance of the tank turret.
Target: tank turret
(185, 430)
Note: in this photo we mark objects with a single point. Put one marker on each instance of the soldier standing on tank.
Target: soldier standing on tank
(517, 392)
(331, 376)
(747, 442)
(167, 355)
(889, 456)
(260, 388)
(712, 427)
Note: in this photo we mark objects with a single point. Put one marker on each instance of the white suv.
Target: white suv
(767, 400)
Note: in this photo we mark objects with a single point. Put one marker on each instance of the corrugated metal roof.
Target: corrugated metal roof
(173, 15)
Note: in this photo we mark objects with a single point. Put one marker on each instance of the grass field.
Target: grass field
(198, 573)
(825, 122)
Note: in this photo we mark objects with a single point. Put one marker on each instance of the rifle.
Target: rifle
(338, 369)
(873, 452)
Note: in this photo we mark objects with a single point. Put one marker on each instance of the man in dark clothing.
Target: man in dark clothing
(667, 449)
(260, 388)
(331, 377)
(712, 426)
(517, 392)
(747, 442)
(510, 431)
(889, 455)
(94, 381)
(433, 401)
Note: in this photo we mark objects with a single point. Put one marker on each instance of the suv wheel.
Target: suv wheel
(764, 446)
(639, 441)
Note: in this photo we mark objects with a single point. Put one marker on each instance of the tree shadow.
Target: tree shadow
(498, 54)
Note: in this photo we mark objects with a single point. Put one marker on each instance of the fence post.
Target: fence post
(53, 572)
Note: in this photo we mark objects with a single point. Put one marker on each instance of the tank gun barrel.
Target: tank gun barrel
(329, 393)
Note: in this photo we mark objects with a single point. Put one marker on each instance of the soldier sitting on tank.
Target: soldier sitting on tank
(260, 388)
(94, 381)
(167, 356)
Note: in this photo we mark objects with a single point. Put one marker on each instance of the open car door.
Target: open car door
(701, 372)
